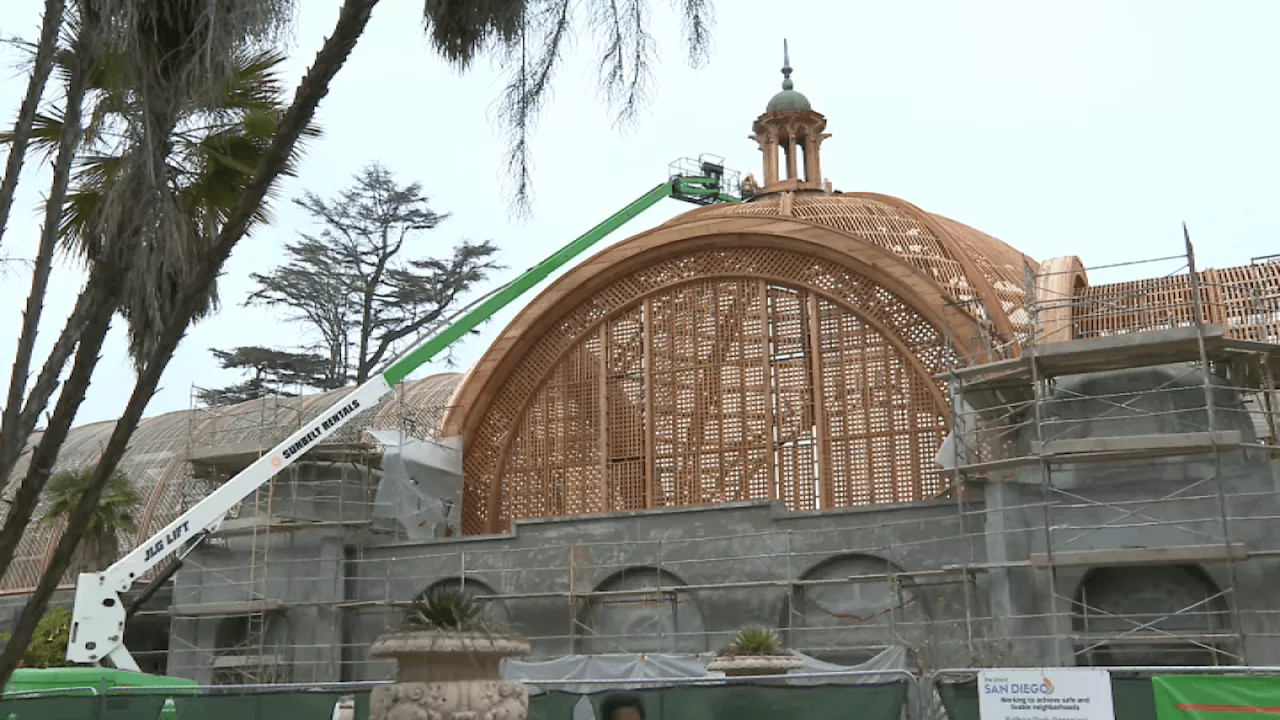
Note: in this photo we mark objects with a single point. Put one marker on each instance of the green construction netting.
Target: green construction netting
(82, 707)
(265, 706)
(1132, 699)
(723, 702)
(139, 706)
(730, 702)
(1208, 697)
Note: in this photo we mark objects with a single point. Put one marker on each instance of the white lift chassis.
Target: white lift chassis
(98, 620)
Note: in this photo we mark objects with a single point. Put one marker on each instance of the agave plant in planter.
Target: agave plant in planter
(754, 650)
(447, 663)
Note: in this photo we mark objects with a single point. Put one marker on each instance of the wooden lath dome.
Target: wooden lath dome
(732, 354)
(780, 349)
(975, 269)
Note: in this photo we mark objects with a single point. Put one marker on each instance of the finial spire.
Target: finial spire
(786, 67)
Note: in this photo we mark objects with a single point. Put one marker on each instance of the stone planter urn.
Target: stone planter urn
(747, 665)
(444, 675)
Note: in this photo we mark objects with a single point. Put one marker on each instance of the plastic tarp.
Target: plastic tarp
(1208, 697)
(573, 669)
(421, 483)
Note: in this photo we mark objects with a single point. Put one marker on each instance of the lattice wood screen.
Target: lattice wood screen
(1244, 300)
(719, 376)
(931, 243)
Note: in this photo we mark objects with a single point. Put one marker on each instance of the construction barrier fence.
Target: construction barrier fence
(1137, 694)
(881, 701)
(1131, 697)
(1208, 697)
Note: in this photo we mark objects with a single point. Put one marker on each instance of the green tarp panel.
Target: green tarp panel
(732, 702)
(1215, 697)
(362, 705)
(1131, 698)
(50, 708)
(82, 707)
(265, 706)
(552, 705)
(133, 707)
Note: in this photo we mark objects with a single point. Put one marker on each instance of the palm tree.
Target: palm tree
(139, 259)
(526, 35)
(114, 515)
(157, 177)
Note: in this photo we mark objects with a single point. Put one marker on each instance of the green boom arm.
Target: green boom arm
(680, 186)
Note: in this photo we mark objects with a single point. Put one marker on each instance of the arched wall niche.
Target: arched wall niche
(1174, 601)
(857, 603)
(597, 337)
(644, 612)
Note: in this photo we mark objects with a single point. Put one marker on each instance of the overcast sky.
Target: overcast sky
(1086, 128)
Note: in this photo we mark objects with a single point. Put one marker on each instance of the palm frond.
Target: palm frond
(46, 129)
(754, 641)
(445, 608)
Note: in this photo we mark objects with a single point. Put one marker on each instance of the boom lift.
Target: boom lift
(98, 620)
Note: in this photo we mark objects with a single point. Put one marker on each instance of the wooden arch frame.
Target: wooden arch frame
(913, 288)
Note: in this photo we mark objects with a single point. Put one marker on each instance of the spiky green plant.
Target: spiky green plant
(445, 608)
(754, 641)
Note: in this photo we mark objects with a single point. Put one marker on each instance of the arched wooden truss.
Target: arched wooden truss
(737, 353)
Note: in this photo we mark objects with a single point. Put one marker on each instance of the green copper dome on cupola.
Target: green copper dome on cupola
(788, 99)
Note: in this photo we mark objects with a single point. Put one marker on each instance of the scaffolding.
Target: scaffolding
(1023, 513)
(331, 491)
(1022, 417)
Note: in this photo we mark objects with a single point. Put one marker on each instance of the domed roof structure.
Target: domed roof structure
(785, 348)
(157, 460)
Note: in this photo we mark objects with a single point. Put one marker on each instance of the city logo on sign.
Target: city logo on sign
(994, 685)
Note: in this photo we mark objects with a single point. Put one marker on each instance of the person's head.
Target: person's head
(622, 706)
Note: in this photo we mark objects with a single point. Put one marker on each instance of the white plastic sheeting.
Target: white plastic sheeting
(421, 483)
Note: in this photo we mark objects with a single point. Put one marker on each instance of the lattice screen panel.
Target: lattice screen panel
(718, 376)
(1244, 300)
(907, 234)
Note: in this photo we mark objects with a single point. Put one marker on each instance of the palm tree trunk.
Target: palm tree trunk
(12, 434)
(46, 451)
(53, 11)
(46, 382)
(352, 20)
